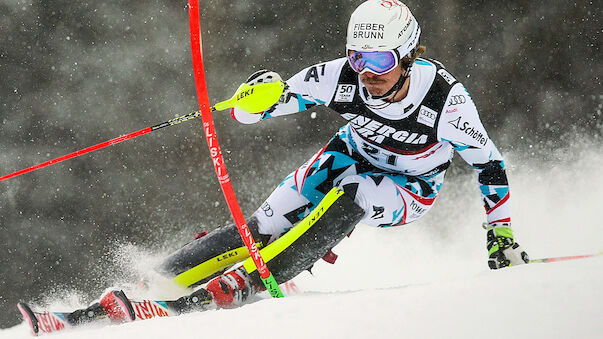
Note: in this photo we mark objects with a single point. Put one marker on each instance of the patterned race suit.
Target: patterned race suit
(391, 156)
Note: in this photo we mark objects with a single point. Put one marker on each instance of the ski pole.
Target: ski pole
(215, 152)
(104, 144)
(572, 257)
(247, 98)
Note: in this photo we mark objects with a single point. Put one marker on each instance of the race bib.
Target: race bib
(345, 93)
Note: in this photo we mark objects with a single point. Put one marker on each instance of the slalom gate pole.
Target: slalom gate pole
(573, 257)
(114, 141)
(216, 153)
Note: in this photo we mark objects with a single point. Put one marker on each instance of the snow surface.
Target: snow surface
(429, 279)
(554, 300)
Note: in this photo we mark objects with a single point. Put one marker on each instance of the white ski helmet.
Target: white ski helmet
(382, 25)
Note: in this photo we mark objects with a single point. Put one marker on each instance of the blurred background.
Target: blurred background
(73, 74)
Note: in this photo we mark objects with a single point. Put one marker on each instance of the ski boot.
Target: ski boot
(117, 306)
(232, 289)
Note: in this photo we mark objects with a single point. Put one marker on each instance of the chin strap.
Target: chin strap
(396, 87)
(392, 91)
(387, 96)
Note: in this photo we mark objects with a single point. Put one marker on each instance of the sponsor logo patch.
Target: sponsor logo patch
(416, 208)
(404, 29)
(377, 131)
(447, 76)
(427, 116)
(147, 309)
(345, 93)
(457, 100)
(378, 212)
(368, 31)
(267, 209)
(471, 131)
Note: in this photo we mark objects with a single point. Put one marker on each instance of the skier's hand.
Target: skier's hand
(259, 77)
(503, 251)
(264, 76)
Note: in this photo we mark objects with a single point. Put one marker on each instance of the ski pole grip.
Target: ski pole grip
(254, 99)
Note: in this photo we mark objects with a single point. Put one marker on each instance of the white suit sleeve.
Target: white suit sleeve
(314, 85)
(461, 126)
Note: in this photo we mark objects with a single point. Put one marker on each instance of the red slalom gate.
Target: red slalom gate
(216, 153)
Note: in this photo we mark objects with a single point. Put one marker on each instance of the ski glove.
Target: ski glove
(503, 251)
(264, 76)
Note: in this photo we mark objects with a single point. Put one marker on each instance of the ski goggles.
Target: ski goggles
(377, 62)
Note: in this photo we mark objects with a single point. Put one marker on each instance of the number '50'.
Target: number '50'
(346, 89)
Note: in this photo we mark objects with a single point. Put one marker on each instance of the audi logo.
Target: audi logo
(457, 100)
(267, 209)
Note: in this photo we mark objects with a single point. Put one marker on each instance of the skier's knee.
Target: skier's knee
(385, 203)
(313, 237)
(358, 188)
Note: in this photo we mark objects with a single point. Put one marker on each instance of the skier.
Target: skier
(406, 115)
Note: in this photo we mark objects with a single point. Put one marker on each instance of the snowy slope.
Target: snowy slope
(555, 300)
(429, 279)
